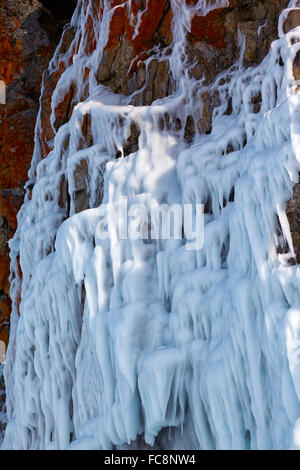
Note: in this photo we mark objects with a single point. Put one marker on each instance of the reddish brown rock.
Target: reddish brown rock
(218, 31)
(81, 180)
(210, 28)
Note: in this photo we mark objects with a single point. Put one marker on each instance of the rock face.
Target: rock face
(29, 34)
(213, 42)
(2, 405)
(293, 205)
(123, 65)
(136, 63)
(293, 214)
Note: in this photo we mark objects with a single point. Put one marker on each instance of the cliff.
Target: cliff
(143, 342)
(30, 33)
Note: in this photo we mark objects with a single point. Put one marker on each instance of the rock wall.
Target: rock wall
(29, 34)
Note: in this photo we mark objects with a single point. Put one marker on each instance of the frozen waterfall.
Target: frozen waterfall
(120, 338)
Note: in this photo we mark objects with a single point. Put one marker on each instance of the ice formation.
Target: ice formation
(3, 419)
(120, 338)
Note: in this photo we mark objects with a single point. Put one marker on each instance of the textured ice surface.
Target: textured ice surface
(119, 338)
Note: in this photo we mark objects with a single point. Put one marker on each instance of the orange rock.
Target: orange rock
(210, 28)
(24, 54)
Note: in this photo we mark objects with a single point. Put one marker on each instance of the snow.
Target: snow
(119, 338)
